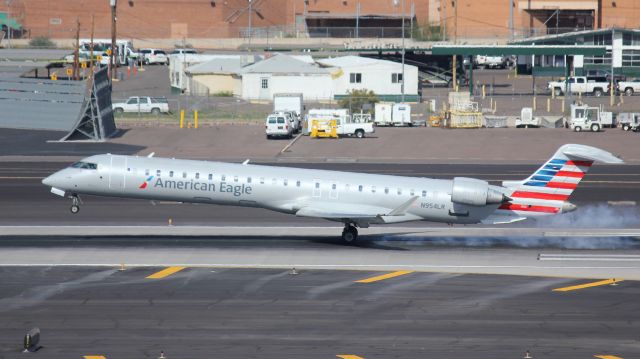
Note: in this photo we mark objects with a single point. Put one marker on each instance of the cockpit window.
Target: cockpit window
(85, 165)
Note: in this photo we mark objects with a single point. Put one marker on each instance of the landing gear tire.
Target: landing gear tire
(349, 234)
(75, 204)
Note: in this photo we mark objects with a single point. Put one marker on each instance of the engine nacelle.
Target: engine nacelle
(475, 192)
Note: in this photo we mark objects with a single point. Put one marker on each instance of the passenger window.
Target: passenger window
(170, 173)
(424, 193)
(297, 183)
(248, 179)
(399, 191)
(317, 185)
(235, 178)
(386, 190)
(274, 181)
(128, 169)
(373, 189)
(197, 175)
(158, 173)
(360, 188)
(184, 174)
(333, 186)
(412, 192)
(210, 177)
(347, 187)
(223, 177)
(146, 172)
(261, 180)
(286, 182)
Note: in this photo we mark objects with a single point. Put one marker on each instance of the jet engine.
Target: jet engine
(475, 192)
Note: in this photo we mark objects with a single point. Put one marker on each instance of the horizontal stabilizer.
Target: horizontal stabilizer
(498, 219)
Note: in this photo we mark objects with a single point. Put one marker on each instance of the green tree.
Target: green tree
(355, 100)
(41, 41)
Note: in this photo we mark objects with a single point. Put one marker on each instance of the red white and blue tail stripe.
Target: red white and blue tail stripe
(547, 190)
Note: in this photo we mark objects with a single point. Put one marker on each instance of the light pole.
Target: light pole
(395, 2)
(113, 72)
(250, 16)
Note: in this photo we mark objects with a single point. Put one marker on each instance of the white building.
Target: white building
(383, 77)
(217, 76)
(286, 74)
(179, 63)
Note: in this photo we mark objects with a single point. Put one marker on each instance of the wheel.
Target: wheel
(577, 129)
(268, 137)
(349, 234)
(557, 91)
(118, 110)
(155, 111)
(360, 133)
(597, 92)
(628, 91)
(626, 127)
(75, 209)
(595, 127)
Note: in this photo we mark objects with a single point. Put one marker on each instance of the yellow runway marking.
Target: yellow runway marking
(349, 356)
(607, 357)
(165, 272)
(384, 276)
(588, 285)
(94, 357)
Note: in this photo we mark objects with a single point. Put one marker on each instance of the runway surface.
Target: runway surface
(273, 314)
(27, 202)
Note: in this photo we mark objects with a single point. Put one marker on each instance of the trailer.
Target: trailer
(392, 114)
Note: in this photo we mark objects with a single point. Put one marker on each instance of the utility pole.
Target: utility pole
(91, 44)
(403, 53)
(250, 18)
(511, 24)
(76, 50)
(113, 69)
(454, 60)
(358, 19)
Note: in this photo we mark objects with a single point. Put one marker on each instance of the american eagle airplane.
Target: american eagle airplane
(357, 200)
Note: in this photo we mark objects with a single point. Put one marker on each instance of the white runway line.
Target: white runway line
(590, 257)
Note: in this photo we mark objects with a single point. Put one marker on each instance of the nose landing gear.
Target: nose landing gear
(349, 233)
(75, 204)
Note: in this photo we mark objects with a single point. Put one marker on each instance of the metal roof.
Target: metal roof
(351, 60)
(284, 64)
(221, 66)
(572, 35)
(498, 50)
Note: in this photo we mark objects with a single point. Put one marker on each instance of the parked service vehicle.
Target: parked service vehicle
(278, 125)
(183, 51)
(580, 84)
(154, 56)
(143, 104)
(491, 62)
(323, 114)
(347, 127)
(526, 119)
(292, 102)
(629, 121)
(392, 114)
(292, 118)
(629, 87)
(584, 117)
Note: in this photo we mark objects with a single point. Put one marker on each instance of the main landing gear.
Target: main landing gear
(349, 233)
(75, 204)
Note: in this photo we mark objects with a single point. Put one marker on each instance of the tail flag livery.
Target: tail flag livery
(547, 190)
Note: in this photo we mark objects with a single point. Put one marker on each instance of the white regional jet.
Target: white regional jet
(357, 200)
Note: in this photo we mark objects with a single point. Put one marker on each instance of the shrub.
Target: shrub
(41, 41)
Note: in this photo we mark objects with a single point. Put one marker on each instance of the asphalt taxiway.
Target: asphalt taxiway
(272, 313)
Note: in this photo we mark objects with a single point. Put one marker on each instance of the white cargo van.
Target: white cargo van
(278, 125)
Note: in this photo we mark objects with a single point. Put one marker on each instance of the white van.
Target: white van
(278, 125)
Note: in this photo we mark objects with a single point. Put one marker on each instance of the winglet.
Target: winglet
(151, 154)
(246, 162)
(401, 209)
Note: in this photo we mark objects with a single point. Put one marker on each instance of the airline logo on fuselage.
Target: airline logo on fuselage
(191, 185)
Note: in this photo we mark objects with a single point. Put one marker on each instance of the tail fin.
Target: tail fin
(548, 189)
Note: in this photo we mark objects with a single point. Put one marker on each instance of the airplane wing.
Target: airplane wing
(358, 212)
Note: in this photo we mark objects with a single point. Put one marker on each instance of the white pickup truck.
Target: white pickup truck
(348, 127)
(143, 104)
(580, 84)
(629, 87)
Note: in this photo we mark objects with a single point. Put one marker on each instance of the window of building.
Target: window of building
(355, 78)
(264, 83)
(396, 78)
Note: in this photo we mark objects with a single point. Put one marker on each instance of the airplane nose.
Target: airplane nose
(48, 181)
(568, 207)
